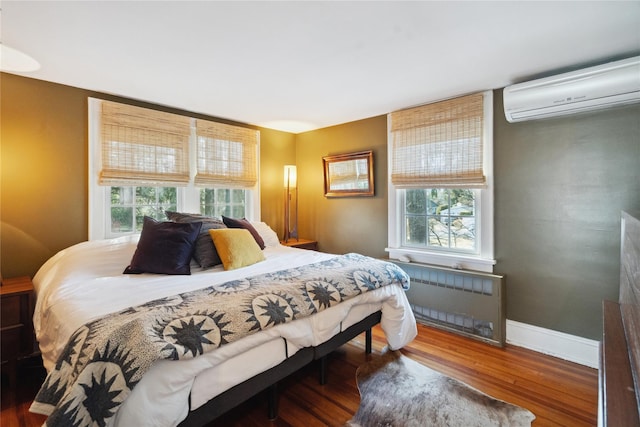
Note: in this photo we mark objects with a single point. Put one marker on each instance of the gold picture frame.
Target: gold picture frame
(348, 175)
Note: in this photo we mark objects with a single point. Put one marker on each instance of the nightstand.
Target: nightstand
(301, 244)
(16, 326)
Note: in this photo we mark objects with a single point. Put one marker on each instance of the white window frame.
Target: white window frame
(484, 259)
(188, 198)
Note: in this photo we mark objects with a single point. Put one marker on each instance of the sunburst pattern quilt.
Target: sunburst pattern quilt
(106, 358)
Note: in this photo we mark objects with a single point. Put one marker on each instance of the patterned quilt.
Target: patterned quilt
(106, 358)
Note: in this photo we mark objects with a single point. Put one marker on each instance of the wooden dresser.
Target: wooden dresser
(619, 394)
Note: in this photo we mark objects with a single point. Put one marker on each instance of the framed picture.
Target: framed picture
(348, 175)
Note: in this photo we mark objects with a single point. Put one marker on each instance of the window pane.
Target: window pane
(223, 210)
(145, 195)
(151, 211)
(121, 195)
(438, 233)
(167, 195)
(222, 196)
(223, 201)
(121, 220)
(207, 197)
(238, 212)
(416, 230)
(416, 202)
(238, 196)
(440, 218)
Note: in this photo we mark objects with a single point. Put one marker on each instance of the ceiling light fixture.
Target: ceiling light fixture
(12, 60)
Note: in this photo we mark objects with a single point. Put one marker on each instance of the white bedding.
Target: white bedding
(85, 282)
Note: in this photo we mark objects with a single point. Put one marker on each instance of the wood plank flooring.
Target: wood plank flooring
(558, 392)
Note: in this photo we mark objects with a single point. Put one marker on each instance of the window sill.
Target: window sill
(457, 261)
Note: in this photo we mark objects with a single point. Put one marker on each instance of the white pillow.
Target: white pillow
(268, 235)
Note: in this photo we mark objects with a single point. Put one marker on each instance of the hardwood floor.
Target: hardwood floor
(558, 392)
(15, 403)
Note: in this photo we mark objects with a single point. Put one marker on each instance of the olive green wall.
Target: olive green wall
(561, 184)
(43, 178)
(344, 224)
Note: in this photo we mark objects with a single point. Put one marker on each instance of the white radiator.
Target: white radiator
(466, 302)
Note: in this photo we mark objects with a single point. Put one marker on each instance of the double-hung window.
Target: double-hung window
(227, 163)
(441, 183)
(143, 162)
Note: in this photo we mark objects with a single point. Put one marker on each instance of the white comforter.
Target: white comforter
(85, 281)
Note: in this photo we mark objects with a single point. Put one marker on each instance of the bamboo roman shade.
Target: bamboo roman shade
(439, 145)
(227, 155)
(140, 145)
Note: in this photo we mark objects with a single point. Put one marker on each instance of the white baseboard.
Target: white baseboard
(558, 344)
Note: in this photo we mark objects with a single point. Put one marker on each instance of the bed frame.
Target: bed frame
(619, 381)
(269, 378)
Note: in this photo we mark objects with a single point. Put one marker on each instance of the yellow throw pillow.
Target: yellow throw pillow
(237, 247)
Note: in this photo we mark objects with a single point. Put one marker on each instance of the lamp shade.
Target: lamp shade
(290, 176)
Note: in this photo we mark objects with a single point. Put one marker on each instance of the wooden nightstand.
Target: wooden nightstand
(301, 244)
(16, 326)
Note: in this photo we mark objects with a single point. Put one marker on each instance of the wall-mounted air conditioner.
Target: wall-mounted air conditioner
(603, 86)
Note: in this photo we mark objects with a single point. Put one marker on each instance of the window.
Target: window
(143, 162)
(441, 183)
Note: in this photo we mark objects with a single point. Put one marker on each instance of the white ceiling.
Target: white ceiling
(298, 66)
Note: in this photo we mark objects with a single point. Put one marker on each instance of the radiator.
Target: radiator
(466, 302)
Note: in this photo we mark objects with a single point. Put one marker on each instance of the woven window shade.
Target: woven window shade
(142, 146)
(227, 155)
(439, 145)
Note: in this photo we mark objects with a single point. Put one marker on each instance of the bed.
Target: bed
(84, 285)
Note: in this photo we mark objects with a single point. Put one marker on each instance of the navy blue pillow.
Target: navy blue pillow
(164, 247)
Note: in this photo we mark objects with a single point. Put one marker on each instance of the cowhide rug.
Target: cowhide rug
(399, 392)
